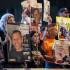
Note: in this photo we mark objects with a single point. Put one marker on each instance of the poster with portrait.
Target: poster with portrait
(36, 17)
(32, 14)
(46, 10)
(18, 38)
(63, 26)
(61, 49)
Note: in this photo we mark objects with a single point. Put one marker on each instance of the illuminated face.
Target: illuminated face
(65, 14)
(53, 32)
(11, 19)
(36, 15)
(17, 40)
(35, 38)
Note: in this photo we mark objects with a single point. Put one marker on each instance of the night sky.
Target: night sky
(12, 4)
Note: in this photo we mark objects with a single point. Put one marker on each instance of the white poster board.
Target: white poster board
(46, 10)
(24, 29)
(61, 48)
(62, 22)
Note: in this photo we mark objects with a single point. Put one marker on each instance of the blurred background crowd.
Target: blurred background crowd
(37, 39)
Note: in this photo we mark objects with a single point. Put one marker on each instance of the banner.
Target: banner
(24, 29)
(63, 26)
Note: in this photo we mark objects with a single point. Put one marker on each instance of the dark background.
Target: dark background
(14, 7)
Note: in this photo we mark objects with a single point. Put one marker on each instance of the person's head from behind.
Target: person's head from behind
(52, 31)
(17, 39)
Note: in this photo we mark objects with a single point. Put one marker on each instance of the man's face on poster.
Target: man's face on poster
(17, 40)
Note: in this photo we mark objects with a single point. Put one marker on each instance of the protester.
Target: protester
(63, 12)
(17, 51)
(37, 52)
(6, 18)
(35, 25)
(48, 45)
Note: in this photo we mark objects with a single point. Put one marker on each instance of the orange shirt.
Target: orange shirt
(48, 45)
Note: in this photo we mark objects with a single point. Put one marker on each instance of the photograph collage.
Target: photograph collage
(36, 41)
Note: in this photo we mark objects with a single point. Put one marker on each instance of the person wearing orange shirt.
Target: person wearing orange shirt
(48, 43)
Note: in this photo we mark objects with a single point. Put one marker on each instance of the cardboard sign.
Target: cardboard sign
(46, 10)
(24, 29)
(61, 49)
(63, 26)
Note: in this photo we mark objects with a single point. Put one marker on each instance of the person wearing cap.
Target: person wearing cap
(63, 12)
(6, 18)
(18, 51)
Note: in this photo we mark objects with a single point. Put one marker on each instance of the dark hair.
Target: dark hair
(10, 17)
(17, 31)
(32, 33)
(61, 10)
(51, 25)
(36, 9)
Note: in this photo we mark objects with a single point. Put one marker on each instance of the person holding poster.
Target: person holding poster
(36, 49)
(61, 48)
(35, 25)
(63, 12)
(62, 26)
(6, 18)
(62, 22)
(18, 53)
(48, 46)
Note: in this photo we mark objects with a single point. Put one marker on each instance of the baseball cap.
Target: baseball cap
(63, 10)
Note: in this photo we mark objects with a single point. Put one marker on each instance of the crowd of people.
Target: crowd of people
(42, 42)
